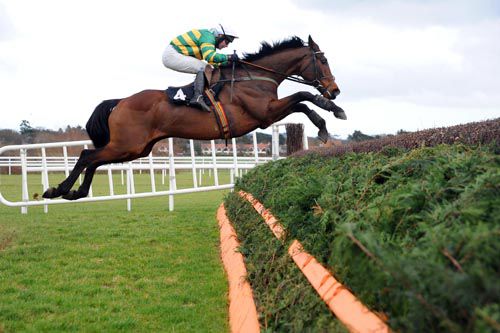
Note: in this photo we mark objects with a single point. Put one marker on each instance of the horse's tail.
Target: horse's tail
(97, 125)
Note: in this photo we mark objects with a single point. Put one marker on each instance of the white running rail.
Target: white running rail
(44, 164)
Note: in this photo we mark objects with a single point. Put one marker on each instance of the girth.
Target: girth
(212, 93)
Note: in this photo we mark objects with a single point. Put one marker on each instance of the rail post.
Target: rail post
(45, 177)
(171, 174)
(214, 163)
(24, 179)
(193, 163)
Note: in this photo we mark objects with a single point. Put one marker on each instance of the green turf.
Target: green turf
(95, 267)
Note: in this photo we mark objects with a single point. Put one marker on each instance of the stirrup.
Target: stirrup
(200, 102)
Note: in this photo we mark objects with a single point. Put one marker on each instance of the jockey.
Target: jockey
(192, 51)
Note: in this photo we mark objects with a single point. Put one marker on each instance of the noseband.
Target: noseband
(316, 83)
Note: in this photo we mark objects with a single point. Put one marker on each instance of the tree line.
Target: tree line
(28, 134)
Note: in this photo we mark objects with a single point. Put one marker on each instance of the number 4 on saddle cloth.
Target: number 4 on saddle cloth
(182, 95)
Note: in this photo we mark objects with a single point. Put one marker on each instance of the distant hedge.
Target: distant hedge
(415, 234)
(476, 133)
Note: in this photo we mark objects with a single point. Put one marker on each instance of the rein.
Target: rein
(286, 76)
(251, 78)
(314, 83)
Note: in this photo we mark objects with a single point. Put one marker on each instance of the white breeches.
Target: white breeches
(181, 63)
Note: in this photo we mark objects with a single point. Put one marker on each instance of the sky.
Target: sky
(400, 65)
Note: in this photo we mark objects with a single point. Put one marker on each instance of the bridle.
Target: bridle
(316, 83)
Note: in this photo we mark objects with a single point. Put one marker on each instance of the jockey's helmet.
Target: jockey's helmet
(225, 32)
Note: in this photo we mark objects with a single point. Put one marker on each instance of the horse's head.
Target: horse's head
(293, 57)
(317, 71)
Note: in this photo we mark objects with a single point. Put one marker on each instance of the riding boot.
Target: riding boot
(199, 86)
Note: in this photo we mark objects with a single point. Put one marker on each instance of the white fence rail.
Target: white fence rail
(168, 165)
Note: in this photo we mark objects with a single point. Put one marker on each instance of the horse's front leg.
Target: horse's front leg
(278, 106)
(329, 105)
(315, 118)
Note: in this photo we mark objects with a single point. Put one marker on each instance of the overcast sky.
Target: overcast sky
(400, 64)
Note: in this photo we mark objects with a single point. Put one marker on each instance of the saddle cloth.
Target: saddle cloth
(182, 95)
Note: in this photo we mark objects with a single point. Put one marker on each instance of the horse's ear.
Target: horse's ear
(312, 44)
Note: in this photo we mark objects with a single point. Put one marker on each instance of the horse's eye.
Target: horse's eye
(323, 60)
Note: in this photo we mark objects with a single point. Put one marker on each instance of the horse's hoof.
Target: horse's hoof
(322, 102)
(72, 195)
(340, 114)
(50, 193)
(323, 135)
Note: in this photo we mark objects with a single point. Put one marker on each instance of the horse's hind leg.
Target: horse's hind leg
(66, 185)
(101, 156)
(83, 190)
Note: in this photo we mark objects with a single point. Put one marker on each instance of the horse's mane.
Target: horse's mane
(267, 49)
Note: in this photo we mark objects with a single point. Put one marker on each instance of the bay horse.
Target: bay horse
(249, 99)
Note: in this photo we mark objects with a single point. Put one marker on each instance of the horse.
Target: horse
(126, 129)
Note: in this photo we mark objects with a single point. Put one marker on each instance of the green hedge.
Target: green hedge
(414, 234)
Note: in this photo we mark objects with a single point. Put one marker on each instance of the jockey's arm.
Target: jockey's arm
(210, 55)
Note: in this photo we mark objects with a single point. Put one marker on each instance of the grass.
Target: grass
(96, 267)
